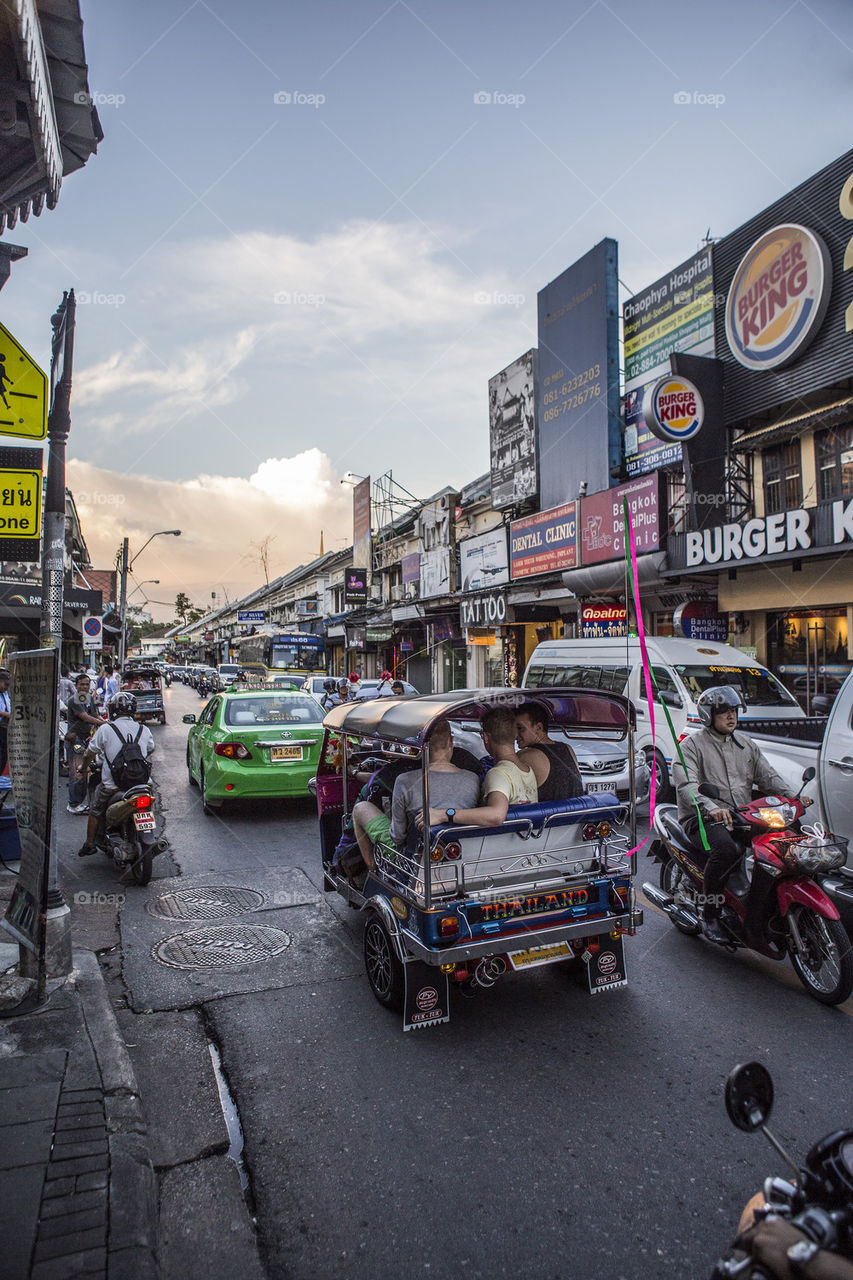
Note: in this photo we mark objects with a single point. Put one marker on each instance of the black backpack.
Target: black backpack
(129, 767)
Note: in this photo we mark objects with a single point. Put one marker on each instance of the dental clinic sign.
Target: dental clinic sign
(785, 534)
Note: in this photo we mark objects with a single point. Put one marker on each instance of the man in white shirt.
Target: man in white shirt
(113, 684)
(121, 710)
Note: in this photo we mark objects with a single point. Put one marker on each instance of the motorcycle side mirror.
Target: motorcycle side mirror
(188, 719)
(809, 773)
(708, 789)
(749, 1096)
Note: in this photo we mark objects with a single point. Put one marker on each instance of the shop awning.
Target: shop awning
(830, 415)
(609, 579)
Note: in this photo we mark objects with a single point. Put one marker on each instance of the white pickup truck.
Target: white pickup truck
(825, 745)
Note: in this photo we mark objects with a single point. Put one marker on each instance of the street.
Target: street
(542, 1133)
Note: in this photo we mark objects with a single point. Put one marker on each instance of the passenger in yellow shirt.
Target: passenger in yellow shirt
(509, 781)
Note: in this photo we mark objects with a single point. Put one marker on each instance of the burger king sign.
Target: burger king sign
(673, 409)
(778, 297)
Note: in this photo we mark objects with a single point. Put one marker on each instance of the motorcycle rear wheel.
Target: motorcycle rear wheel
(670, 877)
(141, 869)
(825, 968)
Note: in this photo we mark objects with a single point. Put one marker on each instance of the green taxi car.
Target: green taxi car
(255, 744)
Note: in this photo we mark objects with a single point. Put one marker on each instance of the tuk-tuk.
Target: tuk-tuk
(146, 686)
(459, 906)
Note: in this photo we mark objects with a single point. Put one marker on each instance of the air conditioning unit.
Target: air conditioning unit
(398, 592)
(375, 595)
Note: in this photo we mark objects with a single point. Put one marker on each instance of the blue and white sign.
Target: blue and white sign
(251, 615)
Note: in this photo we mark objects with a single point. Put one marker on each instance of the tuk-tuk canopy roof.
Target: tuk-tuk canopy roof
(411, 720)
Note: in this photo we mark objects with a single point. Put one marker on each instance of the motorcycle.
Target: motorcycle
(772, 904)
(127, 832)
(818, 1201)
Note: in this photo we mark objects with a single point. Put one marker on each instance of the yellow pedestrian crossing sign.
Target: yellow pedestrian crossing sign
(23, 391)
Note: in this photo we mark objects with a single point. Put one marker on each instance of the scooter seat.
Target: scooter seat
(668, 818)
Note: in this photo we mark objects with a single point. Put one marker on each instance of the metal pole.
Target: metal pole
(122, 608)
(57, 958)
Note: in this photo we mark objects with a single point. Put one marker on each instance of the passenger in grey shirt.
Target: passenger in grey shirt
(448, 787)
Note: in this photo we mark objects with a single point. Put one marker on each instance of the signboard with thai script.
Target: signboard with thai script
(602, 520)
(32, 752)
(598, 620)
(546, 542)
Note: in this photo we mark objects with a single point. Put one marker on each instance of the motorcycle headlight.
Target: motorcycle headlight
(814, 854)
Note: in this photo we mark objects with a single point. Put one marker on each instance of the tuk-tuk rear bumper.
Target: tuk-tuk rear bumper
(501, 943)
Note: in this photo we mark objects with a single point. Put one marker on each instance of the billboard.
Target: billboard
(676, 313)
(794, 253)
(484, 560)
(355, 586)
(436, 524)
(602, 523)
(361, 546)
(410, 568)
(546, 542)
(578, 422)
(512, 432)
(599, 620)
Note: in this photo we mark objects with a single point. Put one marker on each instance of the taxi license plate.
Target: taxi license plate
(549, 954)
(599, 786)
(143, 822)
(285, 753)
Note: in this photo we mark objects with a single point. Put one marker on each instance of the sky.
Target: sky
(314, 231)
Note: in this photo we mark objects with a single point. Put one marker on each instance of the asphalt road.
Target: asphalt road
(542, 1133)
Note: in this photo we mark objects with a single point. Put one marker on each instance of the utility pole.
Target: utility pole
(58, 949)
(122, 607)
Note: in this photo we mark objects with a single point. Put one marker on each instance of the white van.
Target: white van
(683, 669)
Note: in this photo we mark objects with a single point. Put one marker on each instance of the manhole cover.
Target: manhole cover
(223, 946)
(210, 903)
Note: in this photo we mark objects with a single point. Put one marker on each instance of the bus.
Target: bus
(294, 652)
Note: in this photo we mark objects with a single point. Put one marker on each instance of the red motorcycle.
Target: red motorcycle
(772, 905)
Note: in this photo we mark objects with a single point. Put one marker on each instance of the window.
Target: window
(676, 502)
(663, 680)
(783, 483)
(834, 463)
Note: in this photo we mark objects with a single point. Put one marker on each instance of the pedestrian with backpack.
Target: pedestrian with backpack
(125, 747)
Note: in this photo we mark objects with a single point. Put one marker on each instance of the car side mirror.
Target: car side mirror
(670, 698)
(188, 719)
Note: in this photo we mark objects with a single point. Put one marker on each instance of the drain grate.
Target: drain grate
(224, 946)
(208, 903)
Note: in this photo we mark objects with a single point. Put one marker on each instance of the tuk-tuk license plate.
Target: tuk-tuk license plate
(532, 956)
(143, 822)
(285, 753)
(599, 786)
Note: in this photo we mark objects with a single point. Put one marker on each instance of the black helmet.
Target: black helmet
(723, 697)
(330, 685)
(121, 704)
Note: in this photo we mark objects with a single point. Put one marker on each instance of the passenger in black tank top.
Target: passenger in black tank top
(554, 763)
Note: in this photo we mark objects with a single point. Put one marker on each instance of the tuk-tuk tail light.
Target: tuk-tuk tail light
(448, 926)
(603, 829)
(588, 831)
(436, 854)
(453, 850)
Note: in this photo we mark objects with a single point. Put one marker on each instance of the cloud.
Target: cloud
(292, 499)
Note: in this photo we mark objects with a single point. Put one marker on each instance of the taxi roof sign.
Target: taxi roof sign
(23, 391)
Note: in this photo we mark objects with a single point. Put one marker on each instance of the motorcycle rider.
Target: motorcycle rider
(330, 695)
(732, 763)
(121, 709)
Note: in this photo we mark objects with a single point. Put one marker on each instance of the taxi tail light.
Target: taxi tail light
(142, 802)
(448, 926)
(232, 750)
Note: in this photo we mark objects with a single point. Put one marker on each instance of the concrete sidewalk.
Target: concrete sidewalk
(76, 1182)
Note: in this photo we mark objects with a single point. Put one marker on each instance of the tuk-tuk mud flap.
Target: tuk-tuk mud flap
(427, 999)
(606, 969)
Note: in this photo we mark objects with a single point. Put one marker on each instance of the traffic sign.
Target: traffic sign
(93, 632)
(20, 503)
(23, 391)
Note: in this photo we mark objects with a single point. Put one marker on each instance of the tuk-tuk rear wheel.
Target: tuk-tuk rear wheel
(382, 964)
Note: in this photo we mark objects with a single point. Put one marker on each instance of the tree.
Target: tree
(260, 553)
(183, 604)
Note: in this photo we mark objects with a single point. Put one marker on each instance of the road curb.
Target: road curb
(132, 1242)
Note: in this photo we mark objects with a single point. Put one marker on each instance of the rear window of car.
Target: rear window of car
(272, 710)
(579, 676)
(227, 669)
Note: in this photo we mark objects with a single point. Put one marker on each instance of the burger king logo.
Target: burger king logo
(673, 409)
(778, 297)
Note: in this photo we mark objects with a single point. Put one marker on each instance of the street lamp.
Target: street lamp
(140, 585)
(126, 566)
